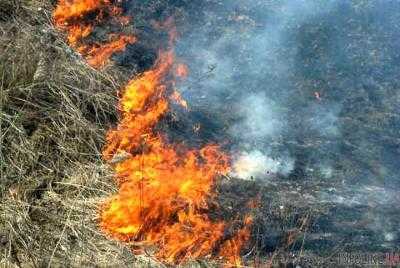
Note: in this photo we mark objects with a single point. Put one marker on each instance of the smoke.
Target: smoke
(310, 84)
(326, 171)
(324, 119)
(299, 92)
(306, 94)
(259, 119)
(255, 164)
(244, 72)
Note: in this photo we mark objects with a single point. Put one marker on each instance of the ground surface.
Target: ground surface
(342, 196)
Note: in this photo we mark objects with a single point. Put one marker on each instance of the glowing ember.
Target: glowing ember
(75, 17)
(232, 247)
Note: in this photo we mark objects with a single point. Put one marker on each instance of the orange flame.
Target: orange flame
(98, 55)
(232, 247)
(73, 17)
(176, 96)
(164, 188)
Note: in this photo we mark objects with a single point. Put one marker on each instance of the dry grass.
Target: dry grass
(55, 111)
(54, 114)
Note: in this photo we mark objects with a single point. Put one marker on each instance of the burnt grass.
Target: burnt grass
(55, 111)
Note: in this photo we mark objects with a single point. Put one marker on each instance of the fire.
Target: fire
(176, 96)
(165, 188)
(232, 247)
(74, 17)
(98, 54)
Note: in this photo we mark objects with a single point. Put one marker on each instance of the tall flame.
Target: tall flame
(78, 18)
(165, 188)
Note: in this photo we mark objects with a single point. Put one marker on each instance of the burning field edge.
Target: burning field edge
(165, 187)
(55, 110)
(55, 114)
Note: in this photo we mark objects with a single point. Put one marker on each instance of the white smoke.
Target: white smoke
(250, 72)
(256, 164)
(260, 71)
(325, 120)
(259, 119)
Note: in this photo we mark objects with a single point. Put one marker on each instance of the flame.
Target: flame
(165, 188)
(176, 96)
(232, 247)
(98, 54)
(74, 18)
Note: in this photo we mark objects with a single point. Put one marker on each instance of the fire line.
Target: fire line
(165, 188)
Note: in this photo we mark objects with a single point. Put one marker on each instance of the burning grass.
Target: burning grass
(55, 111)
(164, 187)
(78, 19)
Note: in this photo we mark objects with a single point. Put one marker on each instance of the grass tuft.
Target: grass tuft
(55, 111)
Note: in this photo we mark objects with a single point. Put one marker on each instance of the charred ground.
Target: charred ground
(55, 111)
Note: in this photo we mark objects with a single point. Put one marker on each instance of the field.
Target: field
(330, 85)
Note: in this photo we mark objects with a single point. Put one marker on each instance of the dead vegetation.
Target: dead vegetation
(54, 113)
(55, 110)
